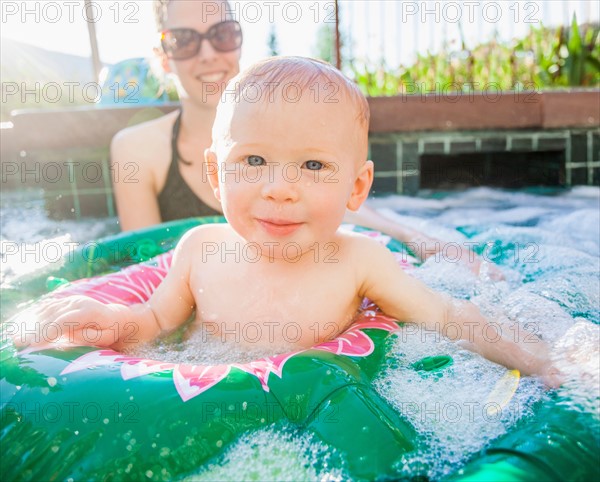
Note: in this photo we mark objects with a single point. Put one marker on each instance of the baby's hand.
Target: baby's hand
(552, 377)
(76, 320)
(487, 269)
(541, 364)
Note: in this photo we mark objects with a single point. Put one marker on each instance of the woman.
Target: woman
(201, 46)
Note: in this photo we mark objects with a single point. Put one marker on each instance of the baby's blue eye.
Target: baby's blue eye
(256, 161)
(313, 165)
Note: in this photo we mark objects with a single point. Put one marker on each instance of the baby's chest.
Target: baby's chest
(303, 310)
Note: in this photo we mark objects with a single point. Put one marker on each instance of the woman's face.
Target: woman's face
(203, 77)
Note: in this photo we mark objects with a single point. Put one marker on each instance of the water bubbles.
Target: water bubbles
(577, 356)
(279, 452)
(204, 348)
(448, 409)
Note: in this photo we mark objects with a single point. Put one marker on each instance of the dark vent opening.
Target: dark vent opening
(497, 169)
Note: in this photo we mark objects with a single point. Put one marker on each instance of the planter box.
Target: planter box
(451, 113)
(485, 111)
(76, 127)
(95, 126)
(577, 108)
(554, 135)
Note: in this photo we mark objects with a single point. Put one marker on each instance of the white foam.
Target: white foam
(276, 453)
(202, 348)
(449, 408)
(577, 356)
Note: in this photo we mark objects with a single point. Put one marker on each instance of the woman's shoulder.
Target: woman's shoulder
(151, 138)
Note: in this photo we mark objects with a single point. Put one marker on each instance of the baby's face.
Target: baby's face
(288, 171)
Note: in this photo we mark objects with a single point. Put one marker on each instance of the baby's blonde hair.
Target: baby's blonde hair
(287, 79)
(299, 76)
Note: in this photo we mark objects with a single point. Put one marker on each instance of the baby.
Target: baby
(288, 158)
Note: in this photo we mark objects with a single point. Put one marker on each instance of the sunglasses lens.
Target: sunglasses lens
(226, 36)
(181, 43)
(184, 43)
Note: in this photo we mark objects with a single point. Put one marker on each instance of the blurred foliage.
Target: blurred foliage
(325, 45)
(272, 42)
(546, 58)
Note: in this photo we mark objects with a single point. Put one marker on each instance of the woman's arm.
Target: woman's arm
(133, 183)
(419, 243)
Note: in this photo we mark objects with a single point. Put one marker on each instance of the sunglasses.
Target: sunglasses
(185, 43)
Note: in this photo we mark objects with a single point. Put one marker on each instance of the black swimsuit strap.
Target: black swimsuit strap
(177, 200)
(174, 137)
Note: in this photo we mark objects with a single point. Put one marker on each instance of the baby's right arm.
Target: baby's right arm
(84, 321)
(408, 300)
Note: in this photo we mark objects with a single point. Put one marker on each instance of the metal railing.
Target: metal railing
(396, 31)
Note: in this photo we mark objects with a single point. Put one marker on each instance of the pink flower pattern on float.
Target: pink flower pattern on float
(192, 380)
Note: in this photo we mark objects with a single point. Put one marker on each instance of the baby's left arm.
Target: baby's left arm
(409, 300)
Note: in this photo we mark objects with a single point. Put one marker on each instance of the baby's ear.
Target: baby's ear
(212, 171)
(362, 185)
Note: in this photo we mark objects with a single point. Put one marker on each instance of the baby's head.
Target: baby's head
(289, 151)
(289, 81)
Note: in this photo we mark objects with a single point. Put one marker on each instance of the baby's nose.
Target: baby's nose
(281, 187)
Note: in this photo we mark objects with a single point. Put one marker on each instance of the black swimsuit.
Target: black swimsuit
(177, 200)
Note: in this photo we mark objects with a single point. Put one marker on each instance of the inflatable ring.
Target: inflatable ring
(89, 413)
(95, 414)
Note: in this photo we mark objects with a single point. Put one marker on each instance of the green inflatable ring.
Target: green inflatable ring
(89, 413)
(95, 414)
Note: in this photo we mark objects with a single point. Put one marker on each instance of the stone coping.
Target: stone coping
(95, 126)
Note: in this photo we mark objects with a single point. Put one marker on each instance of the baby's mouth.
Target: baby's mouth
(279, 227)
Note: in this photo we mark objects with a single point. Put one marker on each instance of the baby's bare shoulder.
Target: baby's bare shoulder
(206, 233)
(360, 244)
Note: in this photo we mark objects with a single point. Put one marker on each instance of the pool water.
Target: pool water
(29, 240)
(547, 245)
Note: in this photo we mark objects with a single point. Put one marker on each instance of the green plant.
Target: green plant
(545, 58)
